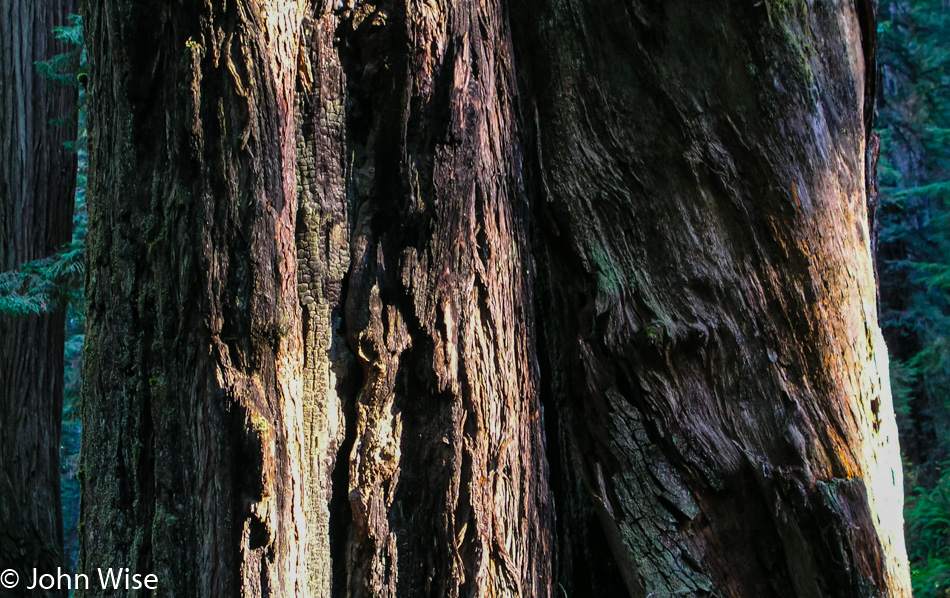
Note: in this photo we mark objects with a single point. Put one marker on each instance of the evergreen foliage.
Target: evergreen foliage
(914, 266)
(928, 534)
(75, 330)
(65, 68)
(43, 285)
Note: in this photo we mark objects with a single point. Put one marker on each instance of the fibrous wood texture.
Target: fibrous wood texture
(37, 176)
(213, 405)
(720, 379)
(425, 298)
(447, 475)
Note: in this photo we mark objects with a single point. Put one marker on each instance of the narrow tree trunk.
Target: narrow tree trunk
(720, 381)
(37, 182)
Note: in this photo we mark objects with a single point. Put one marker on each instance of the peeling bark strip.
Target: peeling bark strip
(720, 377)
(345, 399)
(37, 190)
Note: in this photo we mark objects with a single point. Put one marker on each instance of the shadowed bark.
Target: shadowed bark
(448, 480)
(192, 372)
(212, 399)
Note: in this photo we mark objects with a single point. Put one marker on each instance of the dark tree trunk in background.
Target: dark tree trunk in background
(37, 183)
(340, 256)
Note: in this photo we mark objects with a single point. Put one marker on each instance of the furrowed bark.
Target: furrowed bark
(720, 378)
(37, 184)
(448, 480)
(216, 409)
(192, 376)
(685, 184)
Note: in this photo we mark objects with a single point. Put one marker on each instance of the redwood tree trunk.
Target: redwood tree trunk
(37, 184)
(447, 474)
(724, 412)
(319, 238)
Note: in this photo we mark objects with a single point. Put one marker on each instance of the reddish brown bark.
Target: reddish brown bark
(448, 479)
(677, 189)
(192, 370)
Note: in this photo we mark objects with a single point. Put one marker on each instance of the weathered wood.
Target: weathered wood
(323, 261)
(37, 184)
(448, 478)
(719, 375)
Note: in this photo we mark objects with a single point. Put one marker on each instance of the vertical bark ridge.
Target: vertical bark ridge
(448, 481)
(37, 184)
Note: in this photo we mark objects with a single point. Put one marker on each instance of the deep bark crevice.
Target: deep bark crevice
(341, 515)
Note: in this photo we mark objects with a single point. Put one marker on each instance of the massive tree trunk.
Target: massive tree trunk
(213, 420)
(319, 238)
(718, 372)
(37, 178)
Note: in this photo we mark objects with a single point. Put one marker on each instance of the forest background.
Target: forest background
(913, 262)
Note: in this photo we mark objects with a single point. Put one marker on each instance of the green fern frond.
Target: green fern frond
(43, 285)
